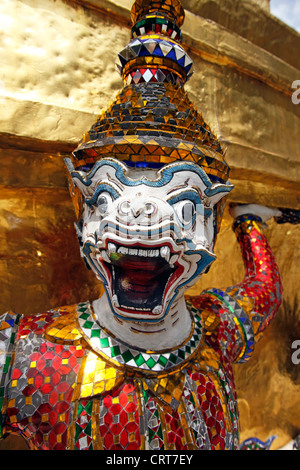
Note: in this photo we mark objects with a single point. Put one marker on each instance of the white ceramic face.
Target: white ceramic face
(148, 235)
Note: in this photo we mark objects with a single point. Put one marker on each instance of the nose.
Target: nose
(137, 207)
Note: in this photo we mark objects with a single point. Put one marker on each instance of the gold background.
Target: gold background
(57, 73)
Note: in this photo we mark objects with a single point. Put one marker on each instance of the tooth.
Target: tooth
(165, 252)
(154, 253)
(157, 310)
(111, 248)
(115, 300)
(104, 256)
(173, 260)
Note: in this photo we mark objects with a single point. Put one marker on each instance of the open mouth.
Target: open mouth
(140, 276)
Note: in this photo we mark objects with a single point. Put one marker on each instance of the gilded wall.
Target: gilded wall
(57, 74)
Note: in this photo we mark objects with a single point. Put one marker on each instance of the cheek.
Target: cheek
(209, 231)
(204, 231)
(90, 226)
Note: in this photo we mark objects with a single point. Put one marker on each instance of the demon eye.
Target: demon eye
(185, 211)
(103, 201)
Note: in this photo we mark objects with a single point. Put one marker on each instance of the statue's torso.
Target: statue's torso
(73, 387)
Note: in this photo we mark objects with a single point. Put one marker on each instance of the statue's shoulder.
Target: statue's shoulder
(226, 318)
(57, 324)
(207, 308)
(27, 332)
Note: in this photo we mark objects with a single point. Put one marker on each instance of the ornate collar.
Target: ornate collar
(108, 347)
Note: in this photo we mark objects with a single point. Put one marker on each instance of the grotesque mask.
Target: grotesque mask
(148, 235)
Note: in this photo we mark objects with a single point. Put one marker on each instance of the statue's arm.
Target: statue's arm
(260, 292)
(244, 310)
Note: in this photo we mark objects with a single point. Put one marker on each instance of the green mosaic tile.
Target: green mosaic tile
(104, 342)
(115, 351)
(88, 324)
(110, 346)
(139, 360)
(84, 316)
(96, 334)
(173, 358)
(151, 362)
(181, 353)
(127, 356)
(162, 360)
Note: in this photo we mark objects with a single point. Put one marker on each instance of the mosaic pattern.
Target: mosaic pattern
(63, 392)
(158, 25)
(256, 444)
(156, 47)
(83, 426)
(290, 216)
(102, 342)
(42, 377)
(152, 75)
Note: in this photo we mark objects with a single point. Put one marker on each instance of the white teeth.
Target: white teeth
(111, 248)
(123, 250)
(104, 256)
(115, 300)
(157, 310)
(173, 260)
(137, 252)
(165, 253)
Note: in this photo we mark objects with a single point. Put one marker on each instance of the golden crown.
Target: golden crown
(152, 122)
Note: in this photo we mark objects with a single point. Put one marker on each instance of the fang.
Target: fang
(115, 300)
(111, 248)
(104, 256)
(157, 310)
(165, 253)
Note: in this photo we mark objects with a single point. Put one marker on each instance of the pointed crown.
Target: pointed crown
(152, 122)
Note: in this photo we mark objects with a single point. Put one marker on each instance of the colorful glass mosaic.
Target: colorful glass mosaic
(69, 384)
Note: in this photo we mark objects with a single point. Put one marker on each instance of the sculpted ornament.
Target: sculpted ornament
(145, 366)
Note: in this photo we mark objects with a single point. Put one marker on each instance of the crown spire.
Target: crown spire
(152, 122)
(155, 54)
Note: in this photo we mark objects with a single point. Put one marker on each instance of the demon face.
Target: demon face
(148, 235)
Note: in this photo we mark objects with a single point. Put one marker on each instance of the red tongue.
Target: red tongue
(140, 279)
(141, 276)
(140, 284)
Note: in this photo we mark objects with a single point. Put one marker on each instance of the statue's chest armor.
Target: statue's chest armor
(193, 416)
(69, 394)
(187, 410)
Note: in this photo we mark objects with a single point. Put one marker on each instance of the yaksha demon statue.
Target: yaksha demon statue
(144, 366)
